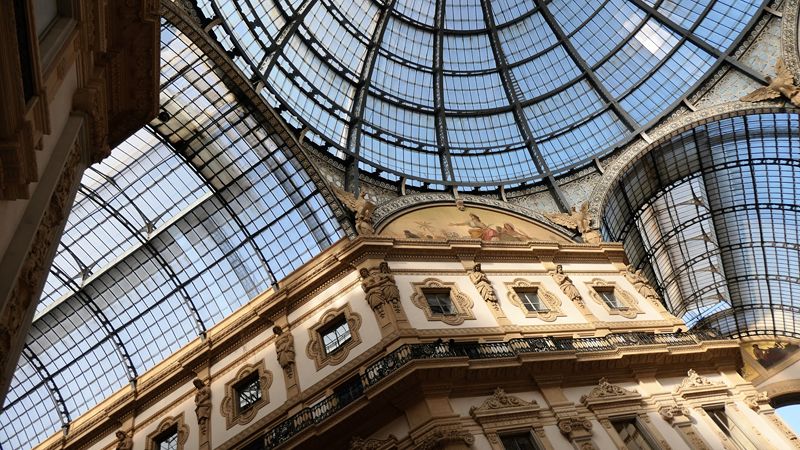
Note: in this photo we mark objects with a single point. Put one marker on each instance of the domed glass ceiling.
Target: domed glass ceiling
(476, 92)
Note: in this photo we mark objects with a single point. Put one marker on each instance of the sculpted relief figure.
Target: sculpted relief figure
(379, 286)
(565, 283)
(361, 207)
(482, 283)
(370, 283)
(782, 85)
(284, 346)
(202, 403)
(124, 442)
(641, 283)
(580, 221)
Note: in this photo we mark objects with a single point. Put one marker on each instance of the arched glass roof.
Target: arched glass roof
(477, 92)
(712, 215)
(186, 221)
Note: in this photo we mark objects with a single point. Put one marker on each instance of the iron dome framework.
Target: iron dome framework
(477, 92)
(207, 206)
(712, 215)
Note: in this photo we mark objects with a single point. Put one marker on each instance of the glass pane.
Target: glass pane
(336, 336)
(249, 393)
(522, 441)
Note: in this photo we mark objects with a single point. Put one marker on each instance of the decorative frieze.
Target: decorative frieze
(358, 443)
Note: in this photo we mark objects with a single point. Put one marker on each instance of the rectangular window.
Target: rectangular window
(518, 441)
(439, 301)
(335, 335)
(530, 299)
(729, 428)
(168, 440)
(632, 436)
(609, 298)
(248, 391)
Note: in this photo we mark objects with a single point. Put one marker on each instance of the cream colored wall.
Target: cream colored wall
(348, 291)
(277, 392)
(369, 332)
(416, 316)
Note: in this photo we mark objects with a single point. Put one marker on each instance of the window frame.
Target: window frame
(316, 350)
(231, 408)
(461, 303)
(627, 304)
(332, 328)
(529, 433)
(167, 427)
(547, 299)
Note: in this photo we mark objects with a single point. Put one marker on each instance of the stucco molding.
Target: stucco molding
(547, 298)
(229, 408)
(165, 425)
(462, 304)
(630, 306)
(315, 350)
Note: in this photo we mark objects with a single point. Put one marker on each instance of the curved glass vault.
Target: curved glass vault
(713, 216)
(186, 221)
(476, 92)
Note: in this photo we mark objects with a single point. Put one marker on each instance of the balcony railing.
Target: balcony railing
(395, 360)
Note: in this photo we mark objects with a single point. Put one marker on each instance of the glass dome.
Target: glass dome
(476, 92)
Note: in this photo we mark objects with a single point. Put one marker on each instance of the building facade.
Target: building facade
(451, 339)
(398, 224)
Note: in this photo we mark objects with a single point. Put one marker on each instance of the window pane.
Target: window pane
(521, 441)
(249, 393)
(531, 301)
(631, 435)
(439, 302)
(336, 336)
(169, 442)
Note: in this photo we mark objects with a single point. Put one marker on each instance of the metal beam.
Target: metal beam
(691, 37)
(445, 160)
(353, 147)
(585, 68)
(514, 95)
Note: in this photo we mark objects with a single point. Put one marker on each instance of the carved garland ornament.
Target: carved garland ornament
(462, 304)
(629, 308)
(164, 427)
(230, 407)
(547, 298)
(695, 382)
(500, 400)
(315, 350)
(605, 390)
(755, 401)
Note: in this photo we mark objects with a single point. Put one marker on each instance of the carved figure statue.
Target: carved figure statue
(782, 85)
(580, 221)
(284, 346)
(370, 283)
(640, 282)
(202, 403)
(362, 208)
(124, 441)
(391, 294)
(565, 283)
(379, 286)
(482, 283)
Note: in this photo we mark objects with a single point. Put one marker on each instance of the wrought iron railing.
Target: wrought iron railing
(397, 359)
